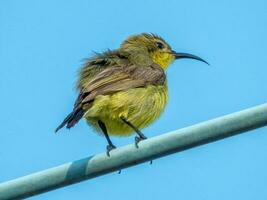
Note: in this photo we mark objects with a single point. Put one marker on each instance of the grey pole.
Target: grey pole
(129, 155)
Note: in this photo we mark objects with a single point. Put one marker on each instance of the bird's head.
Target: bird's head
(156, 48)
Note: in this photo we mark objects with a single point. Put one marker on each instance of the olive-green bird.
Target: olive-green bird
(125, 90)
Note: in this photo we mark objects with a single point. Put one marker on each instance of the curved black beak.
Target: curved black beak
(187, 55)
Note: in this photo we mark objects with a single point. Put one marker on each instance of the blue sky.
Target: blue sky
(43, 44)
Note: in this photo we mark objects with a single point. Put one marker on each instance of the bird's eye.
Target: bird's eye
(160, 45)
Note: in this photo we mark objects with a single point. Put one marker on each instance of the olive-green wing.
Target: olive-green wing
(98, 63)
(117, 78)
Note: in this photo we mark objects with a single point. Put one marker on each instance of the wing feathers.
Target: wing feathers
(110, 80)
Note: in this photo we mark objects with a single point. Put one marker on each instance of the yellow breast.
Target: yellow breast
(140, 106)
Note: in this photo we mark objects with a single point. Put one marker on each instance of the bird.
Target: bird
(124, 90)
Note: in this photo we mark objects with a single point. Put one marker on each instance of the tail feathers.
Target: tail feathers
(71, 119)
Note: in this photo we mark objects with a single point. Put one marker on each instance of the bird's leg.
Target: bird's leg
(110, 145)
(140, 136)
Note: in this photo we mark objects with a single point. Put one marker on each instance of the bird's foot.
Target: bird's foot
(139, 138)
(109, 148)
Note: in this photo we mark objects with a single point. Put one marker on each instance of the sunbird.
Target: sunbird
(124, 90)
